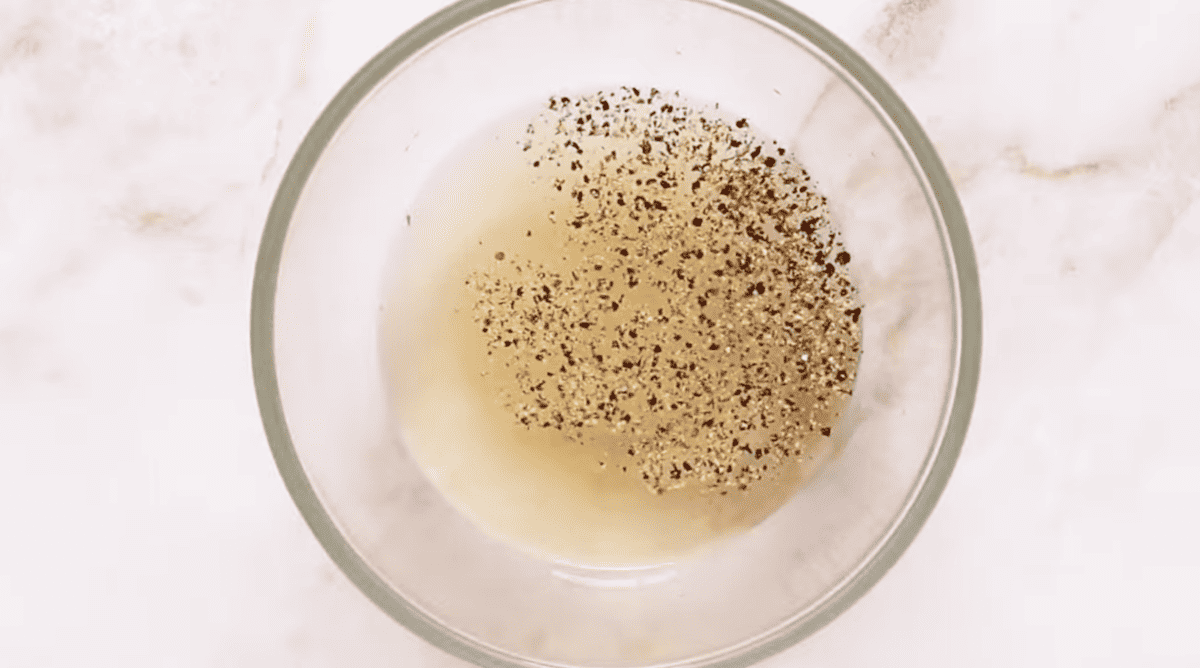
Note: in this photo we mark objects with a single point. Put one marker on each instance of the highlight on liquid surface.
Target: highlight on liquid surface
(621, 330)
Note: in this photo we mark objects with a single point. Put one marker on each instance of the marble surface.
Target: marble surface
(143, 522)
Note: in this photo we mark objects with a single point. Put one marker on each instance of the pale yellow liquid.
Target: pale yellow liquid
(529, 486)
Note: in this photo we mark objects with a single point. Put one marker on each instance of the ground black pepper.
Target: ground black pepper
(738, 285)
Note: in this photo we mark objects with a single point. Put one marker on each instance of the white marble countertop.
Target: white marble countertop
(142, 519)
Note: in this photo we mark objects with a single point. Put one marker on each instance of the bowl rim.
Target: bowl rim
(876, 93)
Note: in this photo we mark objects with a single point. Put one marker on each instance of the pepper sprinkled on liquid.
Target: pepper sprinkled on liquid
(710, 321)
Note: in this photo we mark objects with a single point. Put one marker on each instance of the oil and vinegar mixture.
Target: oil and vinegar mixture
(623, 328)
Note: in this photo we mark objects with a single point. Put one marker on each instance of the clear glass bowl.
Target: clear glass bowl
(321, 284)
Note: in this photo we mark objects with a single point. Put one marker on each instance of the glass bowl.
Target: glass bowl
(322, 283)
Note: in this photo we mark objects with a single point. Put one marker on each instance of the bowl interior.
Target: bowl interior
(323, 282)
